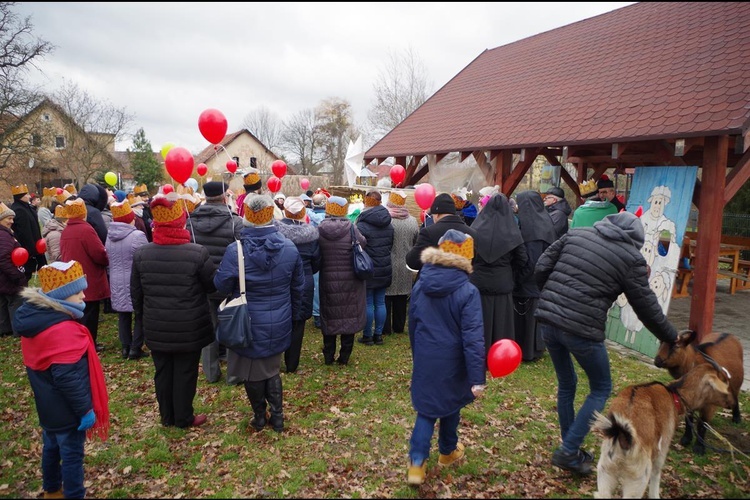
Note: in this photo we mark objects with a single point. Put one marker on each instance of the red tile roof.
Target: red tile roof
(646, 71)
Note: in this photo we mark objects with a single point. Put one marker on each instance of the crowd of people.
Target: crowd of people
(464, 278)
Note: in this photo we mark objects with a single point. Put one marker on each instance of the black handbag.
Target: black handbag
(233, 328)
(363, 265)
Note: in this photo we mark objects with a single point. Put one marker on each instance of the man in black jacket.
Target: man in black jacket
(26, 228)
(215, 227)
(580, 275)
(443, 212)
(558, 209)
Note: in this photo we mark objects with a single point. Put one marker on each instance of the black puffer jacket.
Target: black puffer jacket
(305, 238)
(169, 285)
(375, 224)
(215, 227)
(582, 273)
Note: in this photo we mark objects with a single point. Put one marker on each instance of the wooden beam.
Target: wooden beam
(710, 211)
(464, 155)
(484, 166)
(737, 177)
(502, 167)
(514, 178)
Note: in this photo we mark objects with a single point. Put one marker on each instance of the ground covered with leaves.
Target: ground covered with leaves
(347, 432)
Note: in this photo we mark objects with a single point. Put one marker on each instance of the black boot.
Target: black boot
(256, 393)
(275, 399)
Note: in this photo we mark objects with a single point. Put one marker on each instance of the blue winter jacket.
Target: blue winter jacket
(274, 285)
(446, 332)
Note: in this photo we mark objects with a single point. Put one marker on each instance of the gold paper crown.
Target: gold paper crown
(49, 192)
(166, 213)
(587, 187)
(396, 199)
(19, 189)
(298, 216)
(355, 198)
(53, 277)
(184, 189)
(140, 189)
(458, 201)
(76, 209)
(62, 196)
(121, 209)
(336, 210)
(371, 202)
(191, 202)
(251, 178)
(465, 249)
(61, 212)
(261, 217)
(70, 188)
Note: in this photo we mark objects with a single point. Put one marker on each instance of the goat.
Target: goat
(640, 423)
(684, 354)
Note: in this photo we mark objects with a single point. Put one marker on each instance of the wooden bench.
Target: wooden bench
(742, 276)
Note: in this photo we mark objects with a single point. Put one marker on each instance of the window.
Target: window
(36, 140)
(46, 117)
(60, 142)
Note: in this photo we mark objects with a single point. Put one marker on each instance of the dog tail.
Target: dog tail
(615, 427)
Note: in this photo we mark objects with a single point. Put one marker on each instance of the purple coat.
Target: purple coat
(122, 241)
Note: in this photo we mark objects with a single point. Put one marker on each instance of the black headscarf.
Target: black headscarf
(496, 229)
(533, 218)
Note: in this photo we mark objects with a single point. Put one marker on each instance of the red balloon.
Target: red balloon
(213, 125)
(398, 174)
(179, 163)
(59, 190)
(41, 246)
(422, 214)
(202, 169)
(304, 184)
(167, 188)
(423, 195)
(19, 256)
(504, 357)
(274, 184)
(232, 166)
(278, 168)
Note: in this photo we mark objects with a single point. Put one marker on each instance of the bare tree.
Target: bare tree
(334, 118)
(400, 88)
(19, 49)
(90, 133)
(301, 139)
(265, 126)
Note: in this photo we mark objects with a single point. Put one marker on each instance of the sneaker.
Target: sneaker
(378, 339)
(574, 462)
(365, 340)
(199, 420)
(416, 473)
(453, 456)
(587, 455)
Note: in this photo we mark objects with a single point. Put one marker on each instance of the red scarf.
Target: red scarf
(64, 343)
(165, 235)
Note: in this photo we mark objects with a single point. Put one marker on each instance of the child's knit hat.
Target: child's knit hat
(76, 209)
(258, 210)
(336, 206)
(5, 211)
(60, 280)
(457, 242)
(122, 212)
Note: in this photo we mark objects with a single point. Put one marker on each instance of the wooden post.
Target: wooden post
(710, 211)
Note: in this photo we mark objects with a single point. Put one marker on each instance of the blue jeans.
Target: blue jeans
(376, 310)
(316, 295)
(65, 447)
(421, 436)
(593, 358)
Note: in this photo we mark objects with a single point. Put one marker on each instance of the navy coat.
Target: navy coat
(375, 224)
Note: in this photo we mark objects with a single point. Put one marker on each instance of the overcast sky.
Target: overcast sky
(165, 63)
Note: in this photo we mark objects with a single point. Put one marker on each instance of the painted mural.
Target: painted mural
(665, 195)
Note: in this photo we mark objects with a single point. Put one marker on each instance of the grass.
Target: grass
(347, 433)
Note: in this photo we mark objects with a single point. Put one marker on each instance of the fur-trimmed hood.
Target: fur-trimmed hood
(298, 233)
(38, 312)
(432, 255)
(443, 272)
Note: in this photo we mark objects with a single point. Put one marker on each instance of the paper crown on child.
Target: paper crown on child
(588, 188)
(458, 243)
(191, 201)
(60, 280)
(70, 188)
(397, 198)
(19, 189)
(122, 211)
(372, 199)
(76, 209)
(166, 208)
(336, 206)
(258, 210)
(49, 192)
(61, 212)
(294, 208)
(64, 195)
(252, 179)
(140, 189)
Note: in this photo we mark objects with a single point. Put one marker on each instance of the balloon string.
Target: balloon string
(226, 152)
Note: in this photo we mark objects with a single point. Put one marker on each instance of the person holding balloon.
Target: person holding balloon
(12, 276)
(580, 275)
(26, 228)
(446, 336)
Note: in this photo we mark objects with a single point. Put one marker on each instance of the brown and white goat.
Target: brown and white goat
(684, 354)
(639, 425)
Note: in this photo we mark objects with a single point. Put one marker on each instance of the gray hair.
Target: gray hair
(258, 202)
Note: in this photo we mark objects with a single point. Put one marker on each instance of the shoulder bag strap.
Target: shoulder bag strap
(241, 264)
(354, 236)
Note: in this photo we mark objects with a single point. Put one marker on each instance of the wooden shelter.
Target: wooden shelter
(650, 84)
